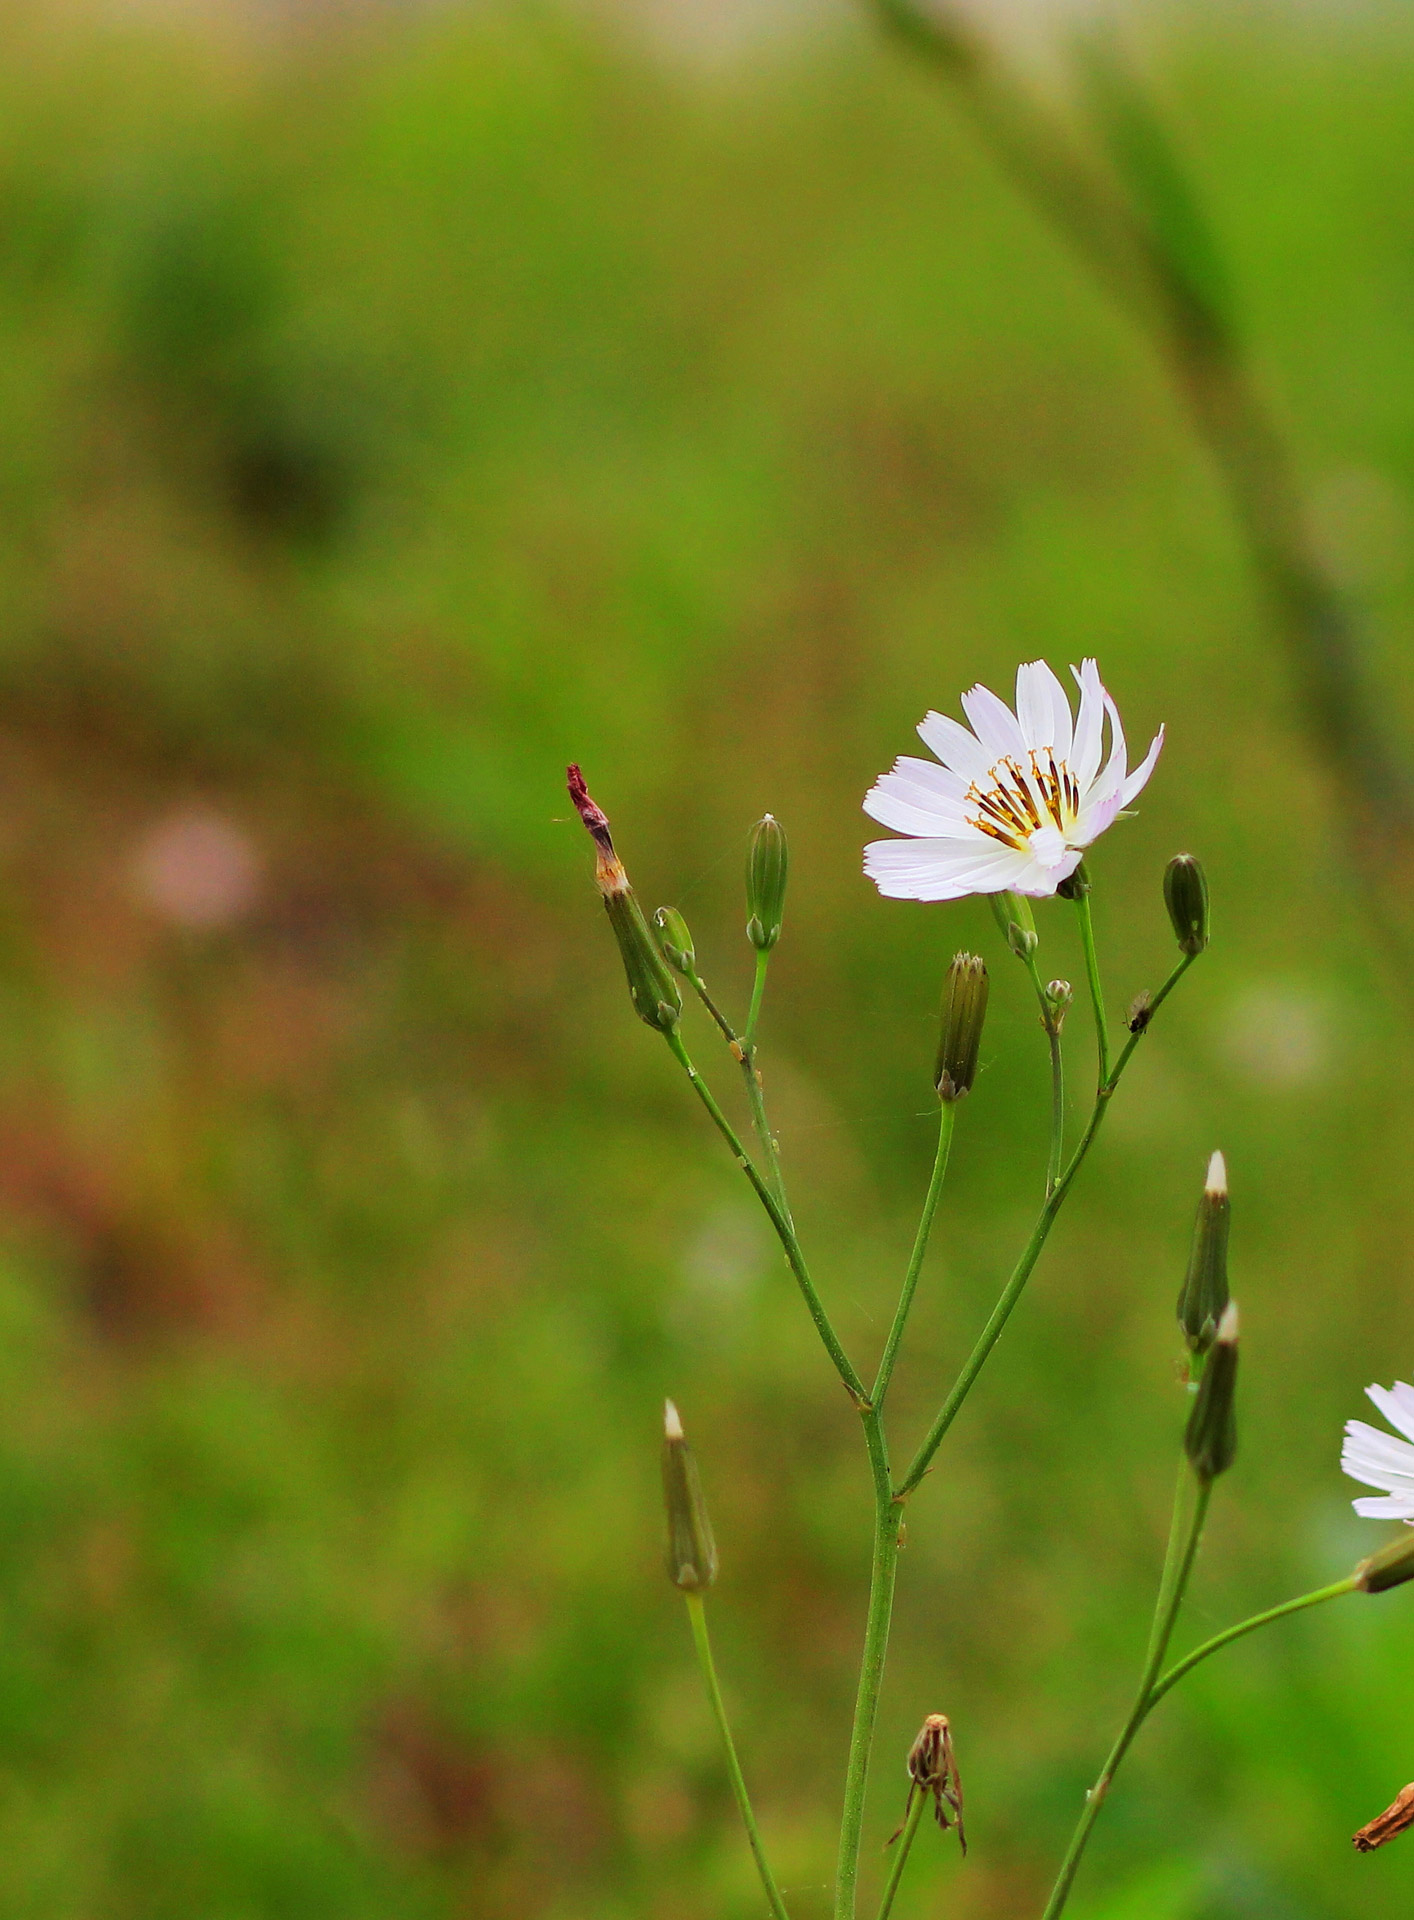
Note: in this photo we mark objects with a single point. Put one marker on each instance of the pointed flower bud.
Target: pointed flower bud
(766, 866)
(651, 986)
(692, 1552)
(1211, 1439)
(964, 1010)
(1204, 1294)
(1186, 897)
(1012, 913)
(1396, 1819)
(1390, 1567)
(675, 939)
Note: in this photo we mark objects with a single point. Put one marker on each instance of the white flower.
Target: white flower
(1376, 1459)
(1015, 802)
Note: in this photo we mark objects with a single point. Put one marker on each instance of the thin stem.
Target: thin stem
(758, 991)
(697, 1615)
(785, 1231)
(699, 987)
(905, 1840)
(1166, 1613)
(883, 1572)
(746, 1058)
(947, 1117)
(1052, 1029)
(1092, 972)
(1219, 1640)
(1171, 1552)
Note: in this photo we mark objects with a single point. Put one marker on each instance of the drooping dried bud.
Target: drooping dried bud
(1387, 1825)
(766, 868)
(692, 1552)
(1141, 1011)
(964, 1011)
(1186, 897)
(1211, 1439)
(651, 986)
(675, 939)
(1204, 1294)
(932, 1769)
(1390, 1567)
(1012, 913)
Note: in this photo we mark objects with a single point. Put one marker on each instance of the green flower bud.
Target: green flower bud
(1390, 1567)
(692, 1552)
(1186, 897)
(675, 939)
(1204, 1295)
(964, 1010)
(651, 986)
(766, 866)
(1059, 997)
(1012, 913)
(1211, 1439)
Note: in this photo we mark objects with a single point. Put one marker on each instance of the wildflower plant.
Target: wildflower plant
(1009, 808)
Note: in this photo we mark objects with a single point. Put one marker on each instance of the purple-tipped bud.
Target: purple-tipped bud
(651, 986)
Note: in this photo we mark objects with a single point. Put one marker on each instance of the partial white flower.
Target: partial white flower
(1016, 800)
(1376, 1459)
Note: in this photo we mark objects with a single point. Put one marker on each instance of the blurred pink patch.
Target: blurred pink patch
(197, 869)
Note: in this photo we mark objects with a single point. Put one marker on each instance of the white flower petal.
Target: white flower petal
(1094, 817)
(1039, 883)
(1377, 1458)
(928, 774)
(1396, 1403)
(1395, 1506)
(1139, 779)
(958, 749)
(1042, 710)
(897, 803)
(995, 724)
(938, 869)
(1089, 725)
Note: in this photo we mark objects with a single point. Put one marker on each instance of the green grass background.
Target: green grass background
(389, 413)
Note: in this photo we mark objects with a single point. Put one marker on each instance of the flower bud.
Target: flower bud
(692, 1552)
(1390, 1567)
(1211, 1439)
(1186, 897)
(766, 867)
(1204, 1294)
(964, 1010)
(1396, 1819)
(651, 986)
(675, 939)
(1012, 913)
(1059, 996)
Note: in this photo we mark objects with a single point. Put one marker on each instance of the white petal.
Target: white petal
(1094, 817)
(1140, 776)
(1089, 725)
(1039, 883)
(899, 804)
(995, 724)
(929, 775)
(940, 869)
(1377, 1458)
(955, 746)
(1394, 1506)
(1042, 708)
(1396, 1403)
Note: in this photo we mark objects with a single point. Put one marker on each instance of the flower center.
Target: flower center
(1028, 806)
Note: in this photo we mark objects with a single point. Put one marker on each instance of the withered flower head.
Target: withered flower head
(651, 986)
(1387, 1825)
(932, 1768)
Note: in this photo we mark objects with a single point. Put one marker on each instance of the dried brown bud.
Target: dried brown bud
(1387, 1825)
(932, 1768)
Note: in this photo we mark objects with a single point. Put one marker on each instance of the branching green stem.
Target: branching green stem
(1165, 1614)
(946, 1119)
(900, 1859)
(1189, 1661)
(1051, 1022)
(697, 1615)
(780, 1220)
(1092, 974)
(745, 1056)
(758, 991)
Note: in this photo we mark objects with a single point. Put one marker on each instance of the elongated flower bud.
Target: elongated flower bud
(1390, 1567)
(651, 986)
(766, 867)
(692, 1552)
(1186, 897)
(1397, 1818)
(675, 939)
(1012, 913)
(1204, 1294)
(964, 1010)
(1211, 1439)
(1060, 996)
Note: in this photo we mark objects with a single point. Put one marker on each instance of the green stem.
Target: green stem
(780, 1220)
(905, 1840)
(947, 1117)
(1171, 1552)
(699, 987)
(1052, 1029)
(882, 1575)
(1166, 1613)
(758, 991)
(697, 1615)
(1225, 1639)
(746, 1058)
(1092, 973)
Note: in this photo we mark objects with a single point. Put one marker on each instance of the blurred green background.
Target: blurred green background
(391, 411)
